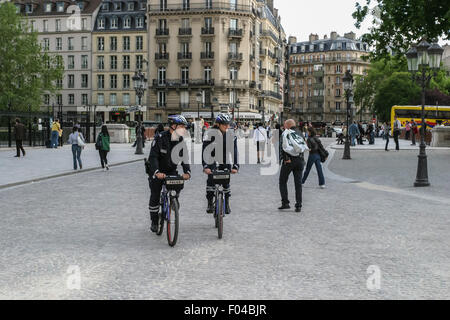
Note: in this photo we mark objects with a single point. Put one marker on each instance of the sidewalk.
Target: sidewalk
(42, 163)
(380, 145)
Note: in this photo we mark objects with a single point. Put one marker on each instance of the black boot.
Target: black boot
(284, 206)
(227, 206)
(154, 227)
(211, 208)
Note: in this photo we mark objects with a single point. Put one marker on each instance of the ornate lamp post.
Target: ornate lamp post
(238, 106)
(348, 88)
(140, 85)
(199, 97)
(215, 101)
(423, 58)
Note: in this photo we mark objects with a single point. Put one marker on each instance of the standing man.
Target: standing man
(55, 133)
(19, 130)
(397, 126)
(353, 131)
(292, 147)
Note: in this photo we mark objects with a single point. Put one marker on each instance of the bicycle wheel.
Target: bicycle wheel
(161, 217)
(172, 223)
(219, 218)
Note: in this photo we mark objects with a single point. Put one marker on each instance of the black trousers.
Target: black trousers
(103, 159)
(387, 142)
(155, 195)
(396, 134)
(296, 167)
(19, 147)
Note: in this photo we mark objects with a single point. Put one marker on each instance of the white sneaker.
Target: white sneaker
(323, 186)
(104, 169)
(107, 168)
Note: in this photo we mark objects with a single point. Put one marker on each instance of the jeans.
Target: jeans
(55, 137)
(314, 158)
(296, 167)
(387, 141)
(353, 141)
(76, 152)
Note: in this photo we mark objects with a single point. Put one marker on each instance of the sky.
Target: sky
(300, 18)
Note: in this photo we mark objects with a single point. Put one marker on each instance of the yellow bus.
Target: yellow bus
(433, 115)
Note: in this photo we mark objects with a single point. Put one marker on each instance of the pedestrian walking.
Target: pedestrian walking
(407, 130)
(292, 148)
(55, 133)
(76, 139)
(387, 131)
(414, 132)
(103, 147)
(19, 132)
(260, 138)
(353, 131)
(397, 127)
(314, 144)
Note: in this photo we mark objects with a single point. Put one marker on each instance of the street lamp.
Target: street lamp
(423, 58)
(199, 100)
(238, 106)
(348, 88)
(140, 85)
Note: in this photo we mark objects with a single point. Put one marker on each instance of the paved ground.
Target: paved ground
(99, 222)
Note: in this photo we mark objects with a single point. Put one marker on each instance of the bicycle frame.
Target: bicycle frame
(165, 196)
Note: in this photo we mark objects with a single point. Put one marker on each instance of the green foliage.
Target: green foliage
(396, 89)
(26, 70)
(399, 23)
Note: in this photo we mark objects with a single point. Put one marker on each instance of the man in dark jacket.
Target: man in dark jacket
(161, 162)
(212, 162)
(19, 130)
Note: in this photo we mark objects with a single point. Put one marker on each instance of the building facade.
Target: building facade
(315, 91)
(119, 50)
(64, 29)
(214, 56)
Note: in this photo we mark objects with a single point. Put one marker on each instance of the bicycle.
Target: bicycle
(220, 177)
(170, 208)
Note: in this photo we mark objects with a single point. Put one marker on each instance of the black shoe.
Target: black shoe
(16, 156)
(284, 207)
(298, 209)
(154, 227)
(227, 207)
(211, 208)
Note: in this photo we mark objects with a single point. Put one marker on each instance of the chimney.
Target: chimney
(292, 40)
(350, 35)
(333, 35)
(270, 4)
(325, 37)
(313, 37)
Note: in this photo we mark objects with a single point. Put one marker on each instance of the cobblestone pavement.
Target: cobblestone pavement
(99, 222)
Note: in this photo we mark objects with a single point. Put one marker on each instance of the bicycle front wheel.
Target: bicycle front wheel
(173, 223)
(219, 217)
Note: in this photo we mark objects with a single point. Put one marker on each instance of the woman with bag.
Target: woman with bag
(102, 145)
(76, 139)
(315, 148)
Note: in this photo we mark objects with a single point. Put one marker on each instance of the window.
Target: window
(113, 81)
(58, 43)
(70, 62)
(71, 81)
(84, 24)
(60, 6)
(208, 23)
(130, 6)
(338, 92)
(101, 62)
(233, 47)
(84, 43)
(143, 6)
(233, 4)
(161, 99)
(59, 99)
(185, 75)
(126, 43)
(33, 25)
(139, 22)
(48, 7)
(71, 99)
(207, 74)
(101, 23)
(161, 75)
(105, 7)
(208, 4)
(46, 99)
(139, 43)
(139, 62)
(127, 22)
(114, 22)
(70, 43)
(45, 25)
(338, 106)
(338, 80)
(184, 99)
(59, 83)
(186, 4)
(46, 44)
(233, 24)
(126, 81)
(233, 73)
(101, 81)
(162, 23)
(101, 44)
(84, 98)
(113, 62)
(185, 48)
(28, 8)
(113, 99)
(113, 44)
(117, 6)
(126, 99)
(101, 99)
(84, 80)
(126, 62)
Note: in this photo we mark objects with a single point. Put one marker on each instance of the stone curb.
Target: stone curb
(15, 184)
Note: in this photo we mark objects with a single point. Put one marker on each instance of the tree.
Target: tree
(26, 71)
(400, 23)
(397, 89)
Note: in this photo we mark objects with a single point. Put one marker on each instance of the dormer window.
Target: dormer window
(140, 22)
(321, 47)
(143, 6)
(311, 47)
(117, 6)
(303, 48)
(114, 23)
(80, 5)
(28, 8)
(127, 22)
(101, 23)
(48, 7)
(60, 6)
(130, 6)
(105, 7)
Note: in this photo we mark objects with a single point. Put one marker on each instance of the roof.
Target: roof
(88, 6)
(324, 45)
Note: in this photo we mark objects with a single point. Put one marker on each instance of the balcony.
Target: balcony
(299, 110)
(184, 56)
(206, 55)
(262, 71)
(319, 86)
(179, 83)
(207, 31)
(263, 52)
(318, 98)
(197, 7)
(235, 33)
(161, 56)
(185, 32)
(161, 105)
(315, 110)
(162, 32)
(318, 73)
(252, 85)
(235, 84)
(272, 94)
(235, 57)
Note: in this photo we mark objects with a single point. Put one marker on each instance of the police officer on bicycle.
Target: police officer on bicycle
(160, 162)
(229, 160)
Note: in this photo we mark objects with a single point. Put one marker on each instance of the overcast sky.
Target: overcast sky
(300, 18)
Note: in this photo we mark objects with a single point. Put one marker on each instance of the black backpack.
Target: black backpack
(322, 151)
(99, 142)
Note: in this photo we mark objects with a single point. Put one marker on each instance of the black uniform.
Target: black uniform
(160, 161)
(221, 164)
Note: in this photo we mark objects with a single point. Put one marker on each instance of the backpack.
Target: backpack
(322, 151)
(293, 143)
(99, 142)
